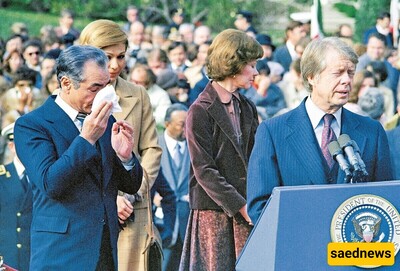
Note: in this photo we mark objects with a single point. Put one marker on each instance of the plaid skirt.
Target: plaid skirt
(213, 241)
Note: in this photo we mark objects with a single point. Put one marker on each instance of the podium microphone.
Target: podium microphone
(337, 154)
(360, 161)
(345, 143)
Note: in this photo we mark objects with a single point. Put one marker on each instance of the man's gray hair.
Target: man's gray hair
(313, 60)
(71, 62)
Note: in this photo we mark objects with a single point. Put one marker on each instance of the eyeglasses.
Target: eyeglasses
(34, 53)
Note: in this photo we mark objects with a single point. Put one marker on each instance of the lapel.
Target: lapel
(106, 153)
(58, 118)
(166, 163)
(184, 172)
(349, 126)
(127, 101)
(302, 141)
(246, 123)
(26, 202)
(221, 118)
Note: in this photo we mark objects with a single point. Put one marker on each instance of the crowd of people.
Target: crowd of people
(209, 122)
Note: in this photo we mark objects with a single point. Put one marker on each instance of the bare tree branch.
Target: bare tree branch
(200, 15)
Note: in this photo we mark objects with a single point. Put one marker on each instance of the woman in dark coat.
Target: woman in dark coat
(220, 130)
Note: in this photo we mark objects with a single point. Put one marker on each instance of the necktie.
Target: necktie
(327, 136)
(24, 181)
(236, 119)
(177, 155)
(81, 117)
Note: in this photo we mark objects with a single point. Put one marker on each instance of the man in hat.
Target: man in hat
(243, 22)
(177, 17)
(266, 43)
(15, 209)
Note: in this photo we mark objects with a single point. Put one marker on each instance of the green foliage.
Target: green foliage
(367, 14)
(33, 20)
(218, 22)
(305, 2)
(347, 9)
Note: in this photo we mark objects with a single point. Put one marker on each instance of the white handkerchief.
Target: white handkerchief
(107, 94)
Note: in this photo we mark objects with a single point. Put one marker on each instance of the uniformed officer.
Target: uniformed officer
(15, 209)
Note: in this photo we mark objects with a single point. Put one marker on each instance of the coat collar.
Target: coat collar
(218, 113)
(127, 97)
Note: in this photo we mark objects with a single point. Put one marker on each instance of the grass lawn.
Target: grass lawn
(33, 20)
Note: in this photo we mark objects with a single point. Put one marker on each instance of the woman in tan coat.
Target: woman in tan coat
(136, 109)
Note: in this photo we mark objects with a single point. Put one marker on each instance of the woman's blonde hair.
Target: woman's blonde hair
(230, 52)
(103, 33)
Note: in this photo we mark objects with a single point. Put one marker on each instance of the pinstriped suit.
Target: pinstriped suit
(286, 152)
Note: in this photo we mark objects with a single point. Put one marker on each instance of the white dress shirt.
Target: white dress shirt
(316, 116)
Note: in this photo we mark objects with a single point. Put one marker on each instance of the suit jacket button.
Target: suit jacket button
(18, 229)
(18, 214)
(19, 245)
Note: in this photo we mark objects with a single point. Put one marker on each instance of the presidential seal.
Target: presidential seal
(366, 218)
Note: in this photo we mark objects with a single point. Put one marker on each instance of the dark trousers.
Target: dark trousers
(106, 261)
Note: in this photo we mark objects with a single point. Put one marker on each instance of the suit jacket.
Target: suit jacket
(168, 204)
(287, 153)
(15, 218)
(74, 187)
(283, 57)
(394, 146)
(179, 184)
(219, 164)
(137, 111)
(368, 32)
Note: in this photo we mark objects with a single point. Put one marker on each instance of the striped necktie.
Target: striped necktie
(81, 117)
(328, 135)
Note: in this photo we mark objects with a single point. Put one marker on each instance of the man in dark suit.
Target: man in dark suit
(175, 166)
(15, 209)
(289, 149)
(286, 53)
(243, 21)
(76, 168)
(382, 26)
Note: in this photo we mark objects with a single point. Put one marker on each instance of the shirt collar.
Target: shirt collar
(291, 50)
(171, 142)
(19, 167)
(71, 112)
(316, 114)
(224, 95)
